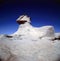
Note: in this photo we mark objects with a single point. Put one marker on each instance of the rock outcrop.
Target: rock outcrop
(30, 43)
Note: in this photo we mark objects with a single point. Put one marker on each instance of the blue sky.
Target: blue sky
(42, 12)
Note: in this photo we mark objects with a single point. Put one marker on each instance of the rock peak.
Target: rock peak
(23, 19)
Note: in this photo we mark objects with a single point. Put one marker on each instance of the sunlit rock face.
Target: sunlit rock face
(26, 28)
(30, 43)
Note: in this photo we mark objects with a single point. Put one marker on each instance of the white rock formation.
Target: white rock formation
(30, 43)
(57, 35)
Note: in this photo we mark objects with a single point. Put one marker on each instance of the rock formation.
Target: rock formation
(30, 43)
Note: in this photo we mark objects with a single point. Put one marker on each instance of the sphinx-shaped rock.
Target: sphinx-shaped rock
(30, 43)
(26, 28)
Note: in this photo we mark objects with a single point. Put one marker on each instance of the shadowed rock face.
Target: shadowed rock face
(58, 59)
(21, 22)
(22, 19)
(9, 36)
(57, 39)
(0, 59)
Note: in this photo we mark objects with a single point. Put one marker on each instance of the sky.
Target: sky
(42, 13)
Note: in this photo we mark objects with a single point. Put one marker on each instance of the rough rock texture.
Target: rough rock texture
(30, 43)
